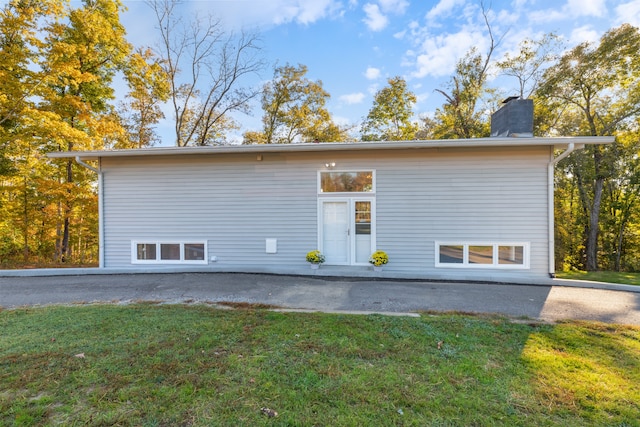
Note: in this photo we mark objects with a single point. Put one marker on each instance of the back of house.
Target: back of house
(475, 209)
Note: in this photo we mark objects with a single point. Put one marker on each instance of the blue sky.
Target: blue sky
(353, 46)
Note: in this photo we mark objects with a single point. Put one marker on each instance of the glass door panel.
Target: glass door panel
(363, 231)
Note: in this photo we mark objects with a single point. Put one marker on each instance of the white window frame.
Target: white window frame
(494, 265)
(158, 260)
(350, 193)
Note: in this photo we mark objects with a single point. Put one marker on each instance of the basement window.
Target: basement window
(482, 255)
(160, 252)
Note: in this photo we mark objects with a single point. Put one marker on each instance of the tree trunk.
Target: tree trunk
(25, 225)
(619, 248)
(594, 219)
(65, 251)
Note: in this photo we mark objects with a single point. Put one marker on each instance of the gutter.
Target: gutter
(550, 203)
(100, 207)
(335, 147)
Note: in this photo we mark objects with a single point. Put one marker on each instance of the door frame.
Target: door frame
(351, 212)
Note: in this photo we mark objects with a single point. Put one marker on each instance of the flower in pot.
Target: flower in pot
(378, 259)
(315, 257)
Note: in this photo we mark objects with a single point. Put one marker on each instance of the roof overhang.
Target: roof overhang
(559, 143)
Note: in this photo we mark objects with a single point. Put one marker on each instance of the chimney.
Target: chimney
(514, 119)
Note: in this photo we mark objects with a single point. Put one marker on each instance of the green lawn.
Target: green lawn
(602, 276)
(166, 365)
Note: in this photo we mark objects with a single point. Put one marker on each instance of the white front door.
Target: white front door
(335, 232)
(346, 231)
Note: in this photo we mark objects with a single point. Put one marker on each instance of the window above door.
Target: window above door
(332, 182)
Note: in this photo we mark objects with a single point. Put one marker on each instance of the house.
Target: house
(477, 209)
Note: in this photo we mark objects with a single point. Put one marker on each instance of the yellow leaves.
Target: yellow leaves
(390, 116)
(294, 106)
(55, 89)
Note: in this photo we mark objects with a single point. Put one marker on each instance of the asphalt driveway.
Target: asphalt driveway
(566, 300)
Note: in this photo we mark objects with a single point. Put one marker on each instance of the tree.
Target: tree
(620, 206)
(294, 109)
(253, 137)
(600, 85)
(21, 83)
(57, 66)
(205, 66)
(149, 87)
(390, 118)
(81, 58)
(460, 116)
(328, 131)
(528, 66)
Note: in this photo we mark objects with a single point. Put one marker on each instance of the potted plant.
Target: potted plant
(316, 258)
(378, 259)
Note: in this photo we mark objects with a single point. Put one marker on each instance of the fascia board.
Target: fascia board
(561, 142)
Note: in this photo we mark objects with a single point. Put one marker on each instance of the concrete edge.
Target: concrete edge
(587, 284)
(354, 312)
(325, 273)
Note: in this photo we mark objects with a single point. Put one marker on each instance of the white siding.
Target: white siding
(488, 196)
(235, 202)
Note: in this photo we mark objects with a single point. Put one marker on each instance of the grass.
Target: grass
(165, 365)
(6, 264)
(602, 276)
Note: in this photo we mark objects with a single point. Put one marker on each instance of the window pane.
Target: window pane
(480, 254)
(452, 254)
(363, 217)
(511, 255)
(340, 182)
(146, 251)
(194, 251)
(170, 251)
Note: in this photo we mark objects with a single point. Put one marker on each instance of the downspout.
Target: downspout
(550, 203)
(100, 208)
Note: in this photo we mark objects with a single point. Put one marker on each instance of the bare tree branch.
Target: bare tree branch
(206, 65)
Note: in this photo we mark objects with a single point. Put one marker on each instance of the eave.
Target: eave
(559, 143)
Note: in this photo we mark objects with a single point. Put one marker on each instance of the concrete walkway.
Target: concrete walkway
(552, 300)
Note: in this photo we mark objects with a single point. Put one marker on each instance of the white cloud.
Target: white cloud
(300, 11)
(372, 73)
(585, 8)
(439, 54)
(397, 7)
(352, 98)
(400, 35)
(244, 13)
(341, 121)
(376, 13)
(583, 34)
(629, 12)
(375, 20)
(571, 10)
(422, 97)
(546, 16)
(443, 8)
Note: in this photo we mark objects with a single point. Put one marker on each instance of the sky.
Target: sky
(354, 46)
